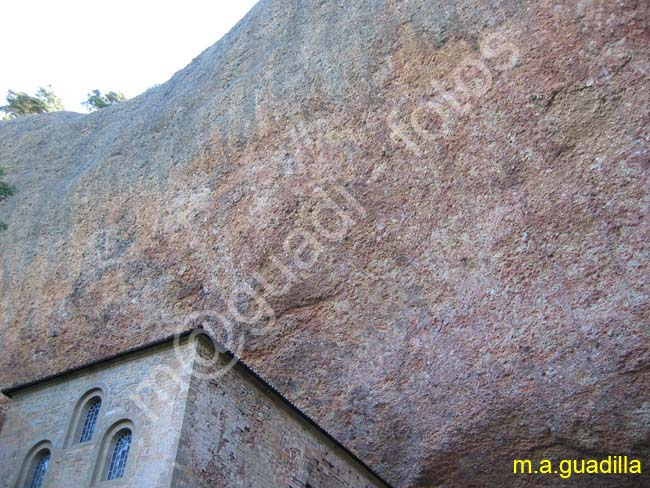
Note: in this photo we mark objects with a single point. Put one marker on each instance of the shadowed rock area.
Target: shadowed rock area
(426, 222)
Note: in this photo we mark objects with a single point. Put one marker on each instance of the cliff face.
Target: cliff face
(425, 222)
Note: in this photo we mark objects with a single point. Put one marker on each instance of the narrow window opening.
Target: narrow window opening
(85, 418)
(91, 420)
(41, 461)
(120, 455)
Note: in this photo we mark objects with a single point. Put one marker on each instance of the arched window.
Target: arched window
(119, 454)
(114, 456)
(90, 420)
(85, 417)
(34, 467)
(39, 468)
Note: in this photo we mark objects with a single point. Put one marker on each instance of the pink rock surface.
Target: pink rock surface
(469, 185)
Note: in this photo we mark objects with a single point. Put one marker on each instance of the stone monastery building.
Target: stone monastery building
(174, 413)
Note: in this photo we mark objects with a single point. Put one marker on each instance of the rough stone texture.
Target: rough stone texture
(490, 303)
(237, 433)
(137, 390)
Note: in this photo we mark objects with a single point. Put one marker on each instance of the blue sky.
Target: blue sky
(129, 46)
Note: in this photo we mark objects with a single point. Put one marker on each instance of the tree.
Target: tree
(97, 100)
(6, 190)
(21, 103)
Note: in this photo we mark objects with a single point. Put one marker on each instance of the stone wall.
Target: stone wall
(138, 388)
(237, 433)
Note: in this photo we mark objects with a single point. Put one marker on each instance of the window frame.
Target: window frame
(29, 460)
(83, 419)
(105, 454)
(78, 417)
(38, 468)
(112, 450)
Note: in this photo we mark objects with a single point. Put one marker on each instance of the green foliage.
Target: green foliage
(97, 100)
(6, 190)
(21, 103)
